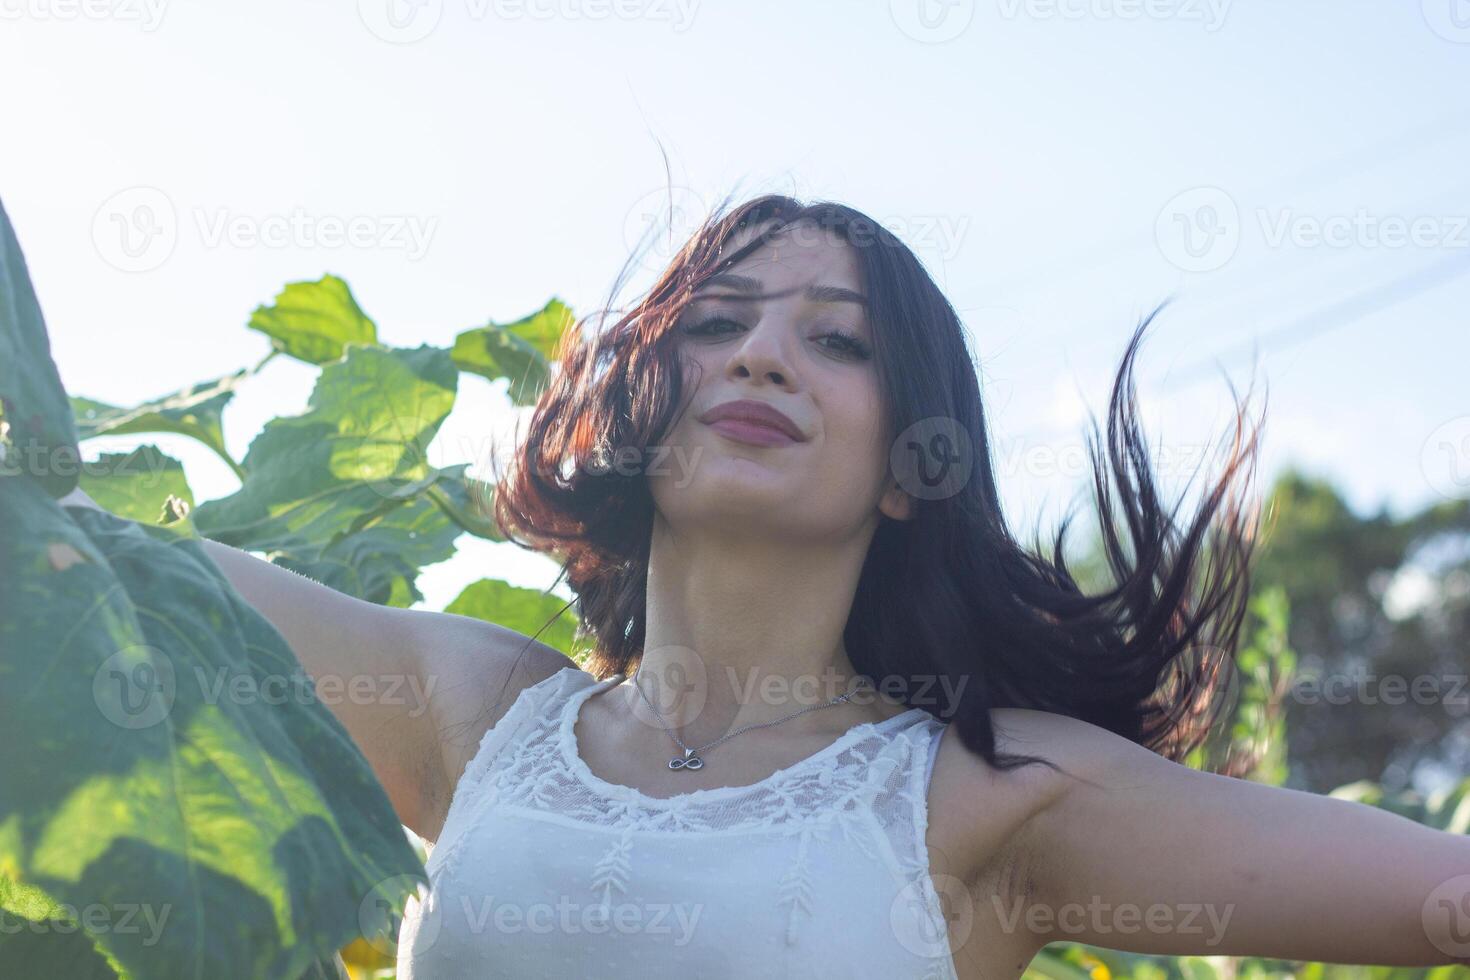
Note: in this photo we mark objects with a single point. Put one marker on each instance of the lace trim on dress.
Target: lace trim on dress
(542, 771)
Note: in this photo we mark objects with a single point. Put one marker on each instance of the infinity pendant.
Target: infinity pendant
(690, 761)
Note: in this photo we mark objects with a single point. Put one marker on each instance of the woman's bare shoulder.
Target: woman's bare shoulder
(979, 812)
(474, 671)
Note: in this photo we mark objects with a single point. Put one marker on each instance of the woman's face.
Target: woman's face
(809, 355)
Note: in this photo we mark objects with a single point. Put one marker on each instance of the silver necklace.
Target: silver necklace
(691, 759)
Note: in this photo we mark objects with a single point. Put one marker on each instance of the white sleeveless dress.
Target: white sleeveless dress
(545, 870)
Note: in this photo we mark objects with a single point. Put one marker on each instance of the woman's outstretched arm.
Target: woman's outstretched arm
(1145, 855)
(415, 689)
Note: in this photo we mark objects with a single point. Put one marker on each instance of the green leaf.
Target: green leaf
(50, 948)
(380, 561)
(543, 329)
(466, 501)
(321, 488)
(526, 611)
(177, 762)
(1047, 965)
(1450, 810)
(520, 351)
(197, 412)
(136, 485)
(314, 321)
(41, 938)
(37, 437)
(1197, 968)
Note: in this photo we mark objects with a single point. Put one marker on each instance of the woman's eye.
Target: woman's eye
(840, 341)
(849, 344)
(706, 326)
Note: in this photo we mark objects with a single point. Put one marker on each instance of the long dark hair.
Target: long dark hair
(948, 594)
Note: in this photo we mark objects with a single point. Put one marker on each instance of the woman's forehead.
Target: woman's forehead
(798, 251)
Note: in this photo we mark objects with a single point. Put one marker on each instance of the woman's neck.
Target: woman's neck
(749, 632)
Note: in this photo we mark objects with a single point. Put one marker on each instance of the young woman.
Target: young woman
(838, 722)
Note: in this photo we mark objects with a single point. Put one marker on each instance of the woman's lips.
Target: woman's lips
(751, 433)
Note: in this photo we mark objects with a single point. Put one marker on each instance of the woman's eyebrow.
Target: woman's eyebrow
(814, 293)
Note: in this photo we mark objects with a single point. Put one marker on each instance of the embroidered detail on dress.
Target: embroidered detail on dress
(611, 872)
(796, 886)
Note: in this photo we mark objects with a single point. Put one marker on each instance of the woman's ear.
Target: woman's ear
(896, 503)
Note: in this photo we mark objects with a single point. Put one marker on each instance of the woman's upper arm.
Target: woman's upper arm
(1146, 855)
(415, 689)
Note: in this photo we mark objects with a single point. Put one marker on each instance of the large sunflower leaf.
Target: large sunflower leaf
(37, 436)
(527, 611)
(520, 351)
(314, 321)
(380, 561)
(153, 774)
(137, 484)
(467, 501)
(197, 412)
(42, 938)
(163, 770)
(336, 493)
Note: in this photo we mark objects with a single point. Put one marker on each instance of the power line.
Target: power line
(1316, 323)
(1336, 315)
(1314, 175)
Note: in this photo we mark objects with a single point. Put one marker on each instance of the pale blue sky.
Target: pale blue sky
(1045, 159)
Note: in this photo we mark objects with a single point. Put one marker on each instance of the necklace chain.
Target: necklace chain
(692, 759)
